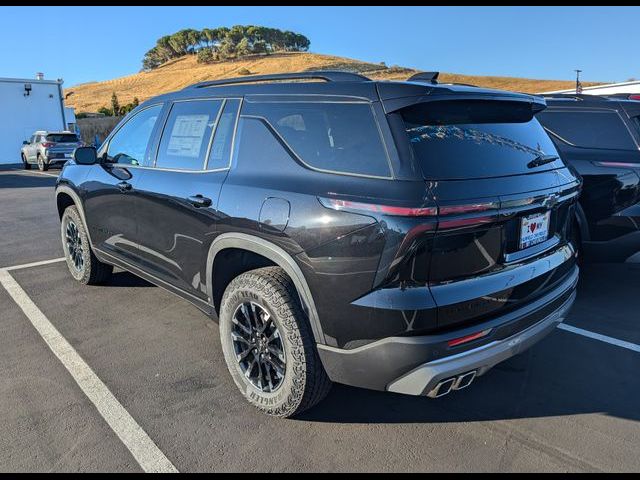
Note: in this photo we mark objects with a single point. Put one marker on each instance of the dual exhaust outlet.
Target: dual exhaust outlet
(453, 383)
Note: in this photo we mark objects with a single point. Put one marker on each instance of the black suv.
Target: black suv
(399, 236)
(600, 137)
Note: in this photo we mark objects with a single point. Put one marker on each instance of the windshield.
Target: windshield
(62, 138)
(479, 150)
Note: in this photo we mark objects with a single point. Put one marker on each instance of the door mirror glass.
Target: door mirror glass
(85, 156)
(25, 142)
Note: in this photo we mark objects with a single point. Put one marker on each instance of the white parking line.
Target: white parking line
(29, 172)
(34, 264)
(602, 338)
(144, 450)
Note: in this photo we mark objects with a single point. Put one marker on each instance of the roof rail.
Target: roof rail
(430, 77)
(326, 75)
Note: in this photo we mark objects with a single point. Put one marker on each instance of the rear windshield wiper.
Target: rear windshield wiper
(542, 160)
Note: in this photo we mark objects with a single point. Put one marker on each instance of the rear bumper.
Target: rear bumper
(416, 365)
(425, 378)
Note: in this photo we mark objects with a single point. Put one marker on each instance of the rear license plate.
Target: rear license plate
(534, 229)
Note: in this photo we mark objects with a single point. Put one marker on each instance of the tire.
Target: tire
(303, 382)
(576, 241)
(42, 165)
(26, 165)
(82, 263)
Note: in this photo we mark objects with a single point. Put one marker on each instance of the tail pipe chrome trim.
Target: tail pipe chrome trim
(454, 383)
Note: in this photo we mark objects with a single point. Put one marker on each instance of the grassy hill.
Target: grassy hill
(177, 74)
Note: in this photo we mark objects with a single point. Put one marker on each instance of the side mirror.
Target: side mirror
(25, 142)
(85, 156)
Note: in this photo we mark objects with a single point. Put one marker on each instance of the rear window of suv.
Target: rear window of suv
(62, 138)
(589, 129)
(338, 137)
(460, 150)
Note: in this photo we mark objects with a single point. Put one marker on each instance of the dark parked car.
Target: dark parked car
(399, 236)
(600, 137)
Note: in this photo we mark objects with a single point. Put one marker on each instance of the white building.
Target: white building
(70, 118)
(624, 87)
(27, 105)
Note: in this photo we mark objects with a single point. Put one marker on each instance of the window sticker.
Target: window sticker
(186, 135)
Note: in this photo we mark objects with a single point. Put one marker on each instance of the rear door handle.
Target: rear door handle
(124, 186)
(199, 201)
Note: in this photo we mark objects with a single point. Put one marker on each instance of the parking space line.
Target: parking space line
(602, 338)
(34, 264)
(29, 172)
(144, 450)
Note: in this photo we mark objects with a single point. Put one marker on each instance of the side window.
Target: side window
(334, 137)
(186, 136)
(588, 129)
(220, 154)
(129, 144)
(258, 146)
(33, 139)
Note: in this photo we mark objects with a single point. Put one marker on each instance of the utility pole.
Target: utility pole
(578, 84)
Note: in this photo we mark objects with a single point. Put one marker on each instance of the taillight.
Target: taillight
(47, 144)
(470, 208)
(468, 338)
(376, 208)
(443, 211)
(634, 97)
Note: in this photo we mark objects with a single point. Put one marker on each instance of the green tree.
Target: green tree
(211, 44)
(115, 104)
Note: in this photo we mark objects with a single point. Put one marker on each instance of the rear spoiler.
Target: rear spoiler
(393, 100)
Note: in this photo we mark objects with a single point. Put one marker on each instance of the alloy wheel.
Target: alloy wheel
(74, 245)
(258, 347)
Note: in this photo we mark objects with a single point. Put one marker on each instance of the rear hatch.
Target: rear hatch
(62, 145)
(504, 201)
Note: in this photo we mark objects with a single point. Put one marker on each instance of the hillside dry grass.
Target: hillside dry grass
(179, 73)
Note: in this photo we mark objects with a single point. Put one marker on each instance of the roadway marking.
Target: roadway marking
(602, 338)
(144, 450)
(34, 264)
(29, 172)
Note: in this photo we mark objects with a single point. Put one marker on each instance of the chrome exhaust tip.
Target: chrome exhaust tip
(442, 389)
(464, 380)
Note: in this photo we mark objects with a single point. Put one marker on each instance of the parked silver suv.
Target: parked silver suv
(48, 148)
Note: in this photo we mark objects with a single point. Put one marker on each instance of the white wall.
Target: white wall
(626, 87)
(20, 116)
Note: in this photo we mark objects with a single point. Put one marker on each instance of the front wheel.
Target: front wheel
(82, 263)
(26, 165)
(268, 344)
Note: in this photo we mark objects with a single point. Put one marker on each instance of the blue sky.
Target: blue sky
(82, 44)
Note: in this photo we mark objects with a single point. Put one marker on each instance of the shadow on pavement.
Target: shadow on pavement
(18, 180)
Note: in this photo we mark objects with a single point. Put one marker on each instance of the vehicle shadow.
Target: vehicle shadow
(121, 278)
(565, 374)
(11, 180)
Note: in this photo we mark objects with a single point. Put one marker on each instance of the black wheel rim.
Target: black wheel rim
(258, 347)
(74, 245)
